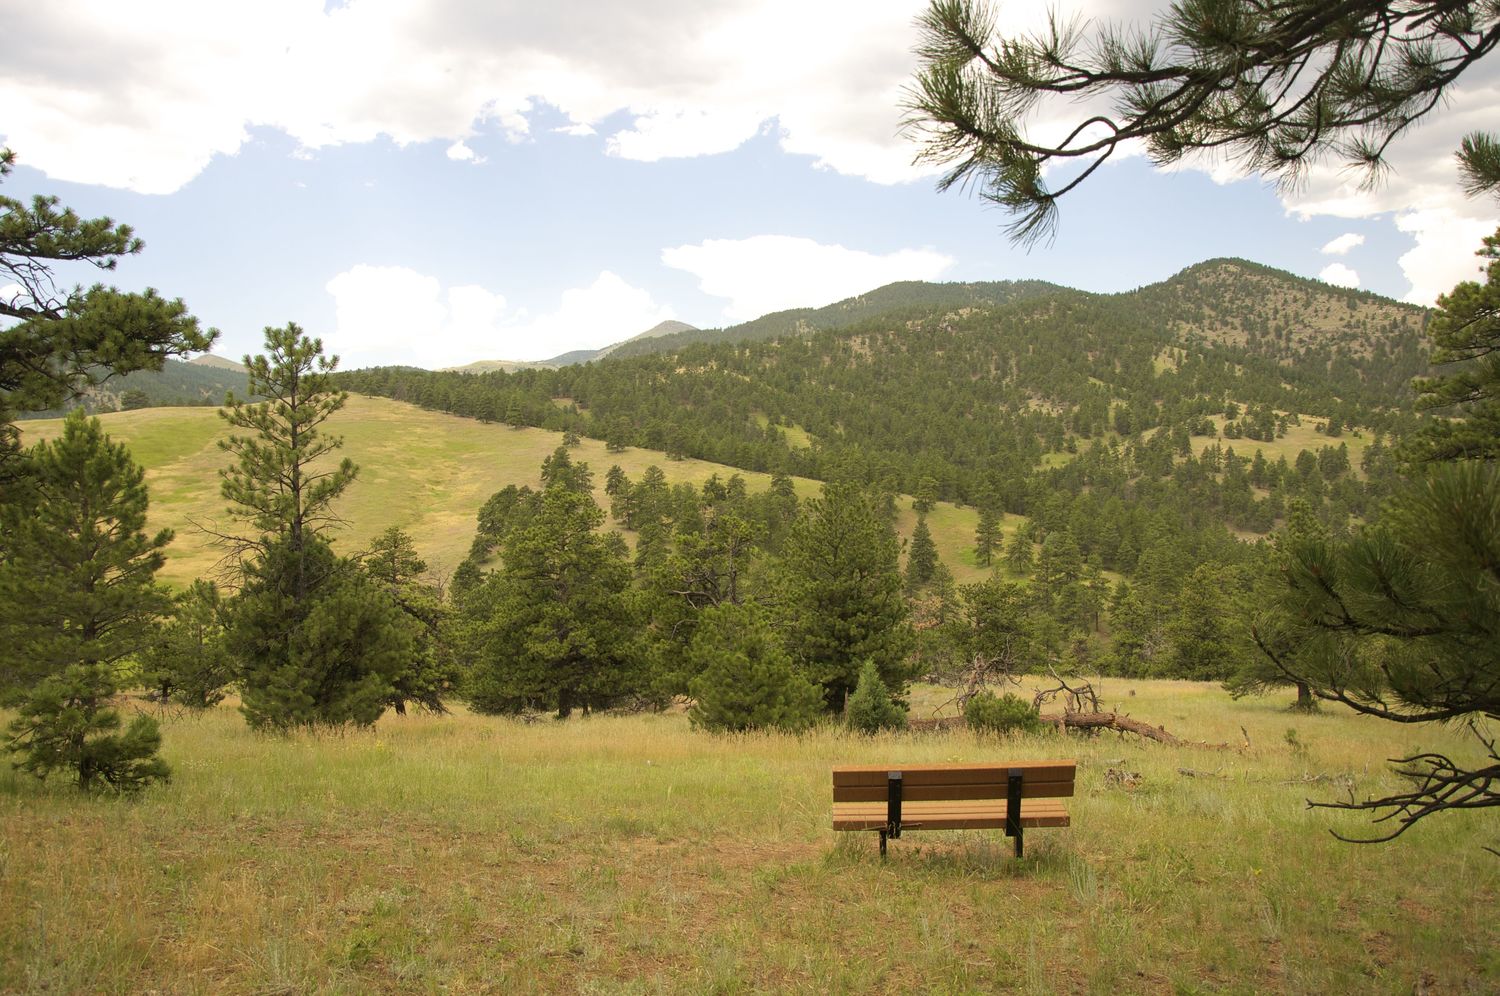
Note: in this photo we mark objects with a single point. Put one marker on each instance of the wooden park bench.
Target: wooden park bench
(1011, 796)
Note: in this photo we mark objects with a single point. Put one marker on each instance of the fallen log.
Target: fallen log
(1111, 721)
(1090, 721)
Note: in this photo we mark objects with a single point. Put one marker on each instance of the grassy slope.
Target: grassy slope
(630, 854)
(426, 472)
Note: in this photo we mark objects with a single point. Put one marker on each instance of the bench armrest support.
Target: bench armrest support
(1013, 807)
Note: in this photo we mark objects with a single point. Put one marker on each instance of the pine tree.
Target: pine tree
(315, 640)
(393, 564)
(922, 560)
(871, 708)
(842, 603)
(66, 724)
(617, 488)
(78, 596)
(328, 657)
(745, 678)
(1402, 621)
(1273, 86)
(190, 664)
(1018, 552)
(999, 626)
(986, 535)
(54, 343)
(277, 483)
(1256, 673)
(77, 581)
(1466, 338)
(925, 497)
(555, 627)
(1206, 638)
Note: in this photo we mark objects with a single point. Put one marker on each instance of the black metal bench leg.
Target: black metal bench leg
(882, 843)
(1013, 807)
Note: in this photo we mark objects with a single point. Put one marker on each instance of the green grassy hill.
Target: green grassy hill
(424, 471)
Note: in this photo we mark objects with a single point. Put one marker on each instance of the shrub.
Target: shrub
(66, 724)
(988, 713)
(747, 681)
(870, 708)
(190, 664)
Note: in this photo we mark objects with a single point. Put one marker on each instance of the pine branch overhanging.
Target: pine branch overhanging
(1273, 85)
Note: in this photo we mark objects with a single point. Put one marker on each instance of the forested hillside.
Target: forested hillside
(903, 299)
(1141, 436)
(176, 384)
(978, 400)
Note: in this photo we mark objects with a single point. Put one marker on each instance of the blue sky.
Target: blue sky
(436, 182)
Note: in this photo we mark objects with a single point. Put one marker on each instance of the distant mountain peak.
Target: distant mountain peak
(668, 327)
(217, 362)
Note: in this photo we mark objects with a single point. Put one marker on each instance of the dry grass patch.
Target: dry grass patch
(631, 854)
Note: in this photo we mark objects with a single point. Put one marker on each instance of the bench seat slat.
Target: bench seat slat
(949, 816)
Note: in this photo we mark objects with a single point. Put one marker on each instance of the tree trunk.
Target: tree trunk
(1305, 701)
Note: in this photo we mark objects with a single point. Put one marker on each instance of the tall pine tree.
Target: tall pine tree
(842, 599)
(922, 559)
(555, 627)
(77, 596)
(317, 642)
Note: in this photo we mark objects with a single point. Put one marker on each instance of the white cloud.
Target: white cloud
(1422, 190)
(605, 312)
(768, 273)
(393, 314)
(460, 152)
(1339, 275)
(144, 95)
(1341, 245)
(681, 133)
(1444, 253)
(384, 311)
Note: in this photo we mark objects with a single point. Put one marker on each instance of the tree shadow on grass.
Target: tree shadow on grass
(953, 855)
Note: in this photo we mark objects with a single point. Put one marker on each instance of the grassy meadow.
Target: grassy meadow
(631, 854)
(427, 472)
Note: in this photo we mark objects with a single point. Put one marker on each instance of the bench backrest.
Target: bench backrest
(941, 782)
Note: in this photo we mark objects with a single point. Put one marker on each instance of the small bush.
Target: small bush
(66, 724)
(988, 713)
(870, 708)
(745, 679)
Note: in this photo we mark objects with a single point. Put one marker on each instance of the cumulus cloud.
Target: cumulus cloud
(768, 273)
(1421, 191)
(1341, 245)
(1444, 253)
(460, 152)
(1339, 275)
(143, 96)
(393, 314)
(604, 312)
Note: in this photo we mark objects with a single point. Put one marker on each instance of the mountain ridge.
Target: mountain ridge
(934, 381)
